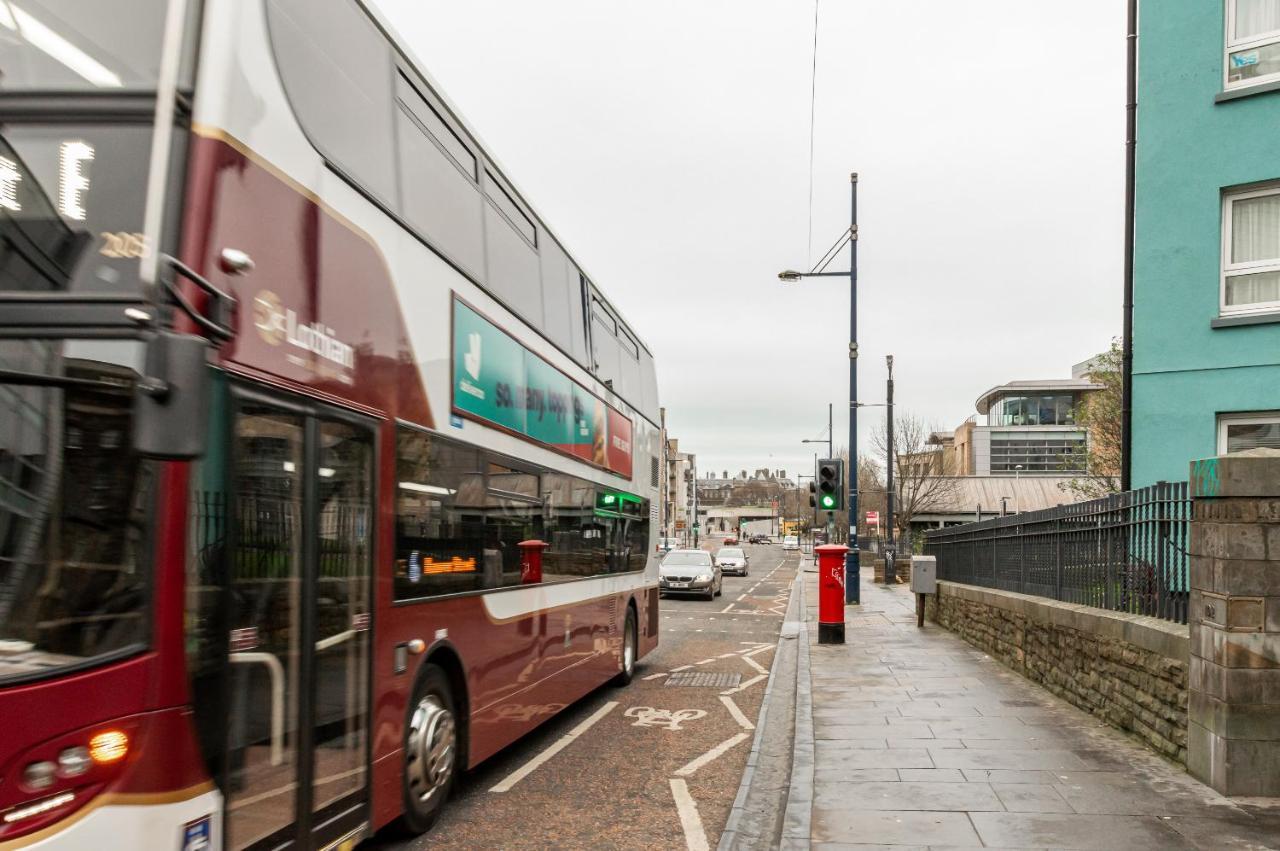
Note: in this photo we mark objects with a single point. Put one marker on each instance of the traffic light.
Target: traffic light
(813, 496)
(830, 486)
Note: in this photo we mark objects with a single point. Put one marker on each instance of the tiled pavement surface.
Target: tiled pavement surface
(922, 741)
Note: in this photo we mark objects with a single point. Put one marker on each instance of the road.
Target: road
(653, 765)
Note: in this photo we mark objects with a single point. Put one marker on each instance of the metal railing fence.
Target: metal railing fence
(1125, 552)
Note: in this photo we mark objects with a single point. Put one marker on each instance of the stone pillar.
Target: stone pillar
(1233, 736)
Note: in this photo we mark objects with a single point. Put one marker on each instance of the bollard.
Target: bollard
(831, 593)
(531, 561)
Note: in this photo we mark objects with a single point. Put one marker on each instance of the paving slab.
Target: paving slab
(1031, 798)
(909, 795)
(895, 828)
(1082, 832)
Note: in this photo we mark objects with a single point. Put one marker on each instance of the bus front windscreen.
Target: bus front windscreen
(71, 206)
(74, 502)
(80, 45)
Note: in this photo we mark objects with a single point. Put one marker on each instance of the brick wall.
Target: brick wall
(1128, 670)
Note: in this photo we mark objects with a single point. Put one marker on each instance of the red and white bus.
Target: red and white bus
(290, 370)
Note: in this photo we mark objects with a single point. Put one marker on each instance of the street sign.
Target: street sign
(873, 518)
(679, 524)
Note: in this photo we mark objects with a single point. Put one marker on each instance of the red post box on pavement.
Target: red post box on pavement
(831, 593)
(531, 561)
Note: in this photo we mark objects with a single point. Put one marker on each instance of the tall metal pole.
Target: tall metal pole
(1130, 146)
(852, 591)
(891, 551)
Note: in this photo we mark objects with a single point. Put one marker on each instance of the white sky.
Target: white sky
(667, 143)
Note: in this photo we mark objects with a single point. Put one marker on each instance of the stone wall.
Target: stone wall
(1128, 670)
(1235, 623)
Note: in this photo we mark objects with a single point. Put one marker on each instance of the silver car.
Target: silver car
(690, 572)
(732, 560)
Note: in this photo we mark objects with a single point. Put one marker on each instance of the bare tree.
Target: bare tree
(920, 481)
(1100, 414)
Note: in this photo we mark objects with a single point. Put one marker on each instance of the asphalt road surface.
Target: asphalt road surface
(654, 765)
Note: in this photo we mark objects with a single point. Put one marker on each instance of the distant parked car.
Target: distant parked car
(791, 542)
(731, 538)
(760, 539)
(690, 572)
(732, 560)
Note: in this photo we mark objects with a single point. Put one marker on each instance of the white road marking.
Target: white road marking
(757, 651)
(753, 663)
(655, 676)
(705, 661)
(736, 713)
(741, 597)
(711, 755)
(695, 839)
(726, 655)
(726, 609)
(681, 668)
(757, 678)
(647, 716)
(567, 739)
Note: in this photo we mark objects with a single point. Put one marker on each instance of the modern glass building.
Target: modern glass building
(1206, 322)
(1031, 428)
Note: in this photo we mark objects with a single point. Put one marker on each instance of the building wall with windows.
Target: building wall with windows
(1206, 341)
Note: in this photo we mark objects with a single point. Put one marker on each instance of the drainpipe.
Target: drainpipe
(1130, 149)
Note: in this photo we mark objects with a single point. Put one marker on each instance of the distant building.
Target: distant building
(1206, 265)
(681, 482)
(1030, 428)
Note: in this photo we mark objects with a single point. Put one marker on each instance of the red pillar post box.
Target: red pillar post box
(531, 561)
(831, 593)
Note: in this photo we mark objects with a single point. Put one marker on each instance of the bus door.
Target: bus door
(299, 577)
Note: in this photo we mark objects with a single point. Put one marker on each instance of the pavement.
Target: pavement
(912, 738)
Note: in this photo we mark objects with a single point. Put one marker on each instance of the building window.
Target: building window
(1251, 251)
(1253, 42)
(1038, 452)
(1238, 432)
(1054, 409)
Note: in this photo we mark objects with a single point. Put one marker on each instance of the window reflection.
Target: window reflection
(461, 515)
(1048, 409)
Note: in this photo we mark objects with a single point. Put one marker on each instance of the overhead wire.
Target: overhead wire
(813, 99)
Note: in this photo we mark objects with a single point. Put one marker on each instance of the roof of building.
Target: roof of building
(1034, 386)
(1024, 493)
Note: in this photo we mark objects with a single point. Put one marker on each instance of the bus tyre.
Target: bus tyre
(629, 645)
(430, 750)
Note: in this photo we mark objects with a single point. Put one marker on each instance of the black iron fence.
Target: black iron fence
(1126, 552)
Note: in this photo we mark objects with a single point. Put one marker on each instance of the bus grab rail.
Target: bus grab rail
(276, 671)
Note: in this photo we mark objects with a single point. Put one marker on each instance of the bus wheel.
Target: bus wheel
(430, 750)
(629, 643)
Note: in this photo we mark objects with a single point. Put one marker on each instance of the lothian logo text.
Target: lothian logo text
(277, 324)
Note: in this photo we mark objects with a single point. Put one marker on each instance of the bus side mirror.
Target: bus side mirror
(171, 400)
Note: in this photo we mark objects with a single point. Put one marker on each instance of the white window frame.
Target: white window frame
(1236, 45)
(1230, 270)
(1249, 418)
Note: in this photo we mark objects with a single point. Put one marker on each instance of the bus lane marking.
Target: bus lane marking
(711, 755)
(736, 713)
(757, 678)
(567, 739)
(695, 838)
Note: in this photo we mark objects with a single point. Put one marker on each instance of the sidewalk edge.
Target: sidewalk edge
(730, 835)
(797, 821)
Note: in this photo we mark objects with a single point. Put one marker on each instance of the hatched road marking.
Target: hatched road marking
(695, 838)
(711, 755)
(736, 713)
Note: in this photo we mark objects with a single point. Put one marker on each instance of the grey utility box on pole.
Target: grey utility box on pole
(924, 575)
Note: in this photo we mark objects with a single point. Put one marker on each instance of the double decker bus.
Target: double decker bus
(325, 471)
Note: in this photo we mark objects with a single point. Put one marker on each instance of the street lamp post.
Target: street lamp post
(852, 591)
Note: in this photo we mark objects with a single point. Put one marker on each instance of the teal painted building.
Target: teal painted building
(1206, 323)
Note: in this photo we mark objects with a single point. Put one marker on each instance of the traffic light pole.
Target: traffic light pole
(852, 591)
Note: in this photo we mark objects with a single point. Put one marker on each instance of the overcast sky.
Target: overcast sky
(667, 143)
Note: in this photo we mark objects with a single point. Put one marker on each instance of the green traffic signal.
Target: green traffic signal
(828, 501)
